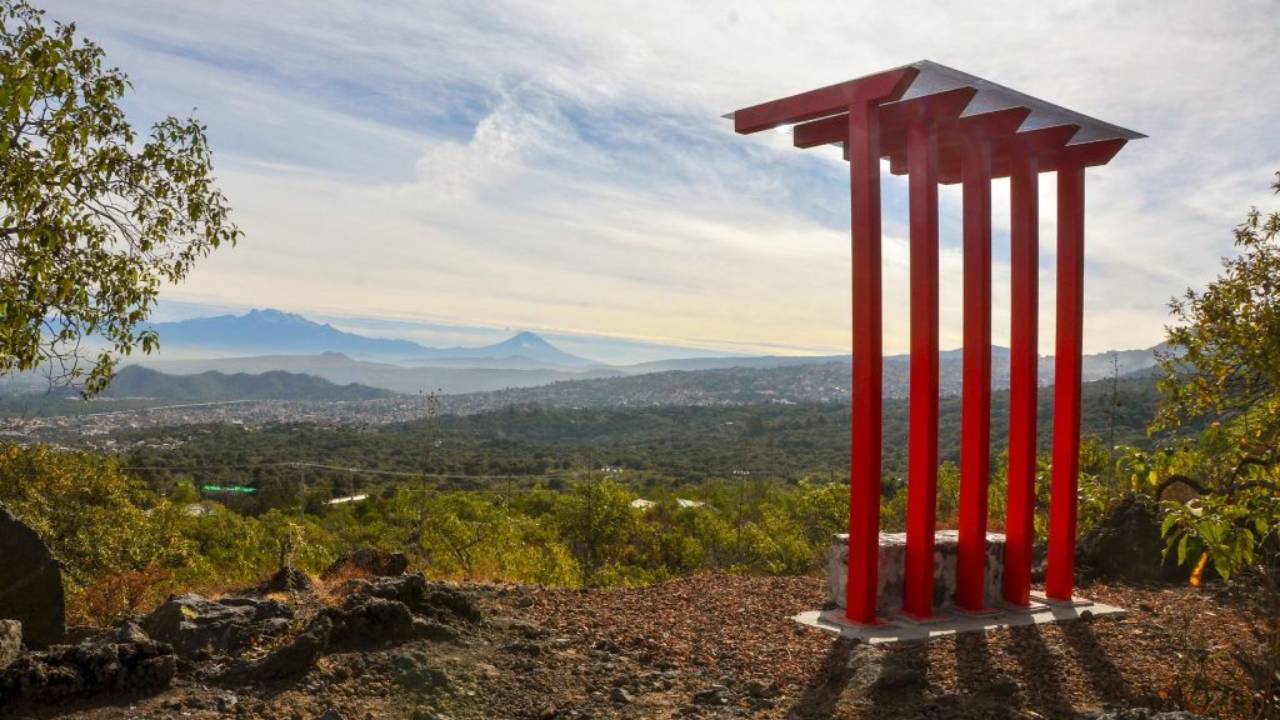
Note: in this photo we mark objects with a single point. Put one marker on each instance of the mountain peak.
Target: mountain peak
(273, 315)
(528, 339)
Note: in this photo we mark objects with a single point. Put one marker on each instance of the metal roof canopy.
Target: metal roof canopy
(958, 103)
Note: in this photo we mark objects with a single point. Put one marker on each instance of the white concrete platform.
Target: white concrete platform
(953, 622)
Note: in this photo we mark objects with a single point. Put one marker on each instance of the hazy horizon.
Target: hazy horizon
(617, 350)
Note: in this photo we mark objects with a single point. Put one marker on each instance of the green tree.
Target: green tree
(185, 493)
(1224, 356)
(92, 221)
(1224, 363)
(596, 520)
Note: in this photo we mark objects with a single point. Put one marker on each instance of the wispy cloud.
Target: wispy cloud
(562, 166)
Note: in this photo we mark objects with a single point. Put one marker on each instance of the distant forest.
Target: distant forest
(676, 444)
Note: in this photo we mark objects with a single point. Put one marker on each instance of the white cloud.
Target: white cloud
(562, 165)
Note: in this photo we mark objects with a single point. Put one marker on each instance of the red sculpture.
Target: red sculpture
(936, 124)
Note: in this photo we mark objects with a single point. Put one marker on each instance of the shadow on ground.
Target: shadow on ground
(894, 681)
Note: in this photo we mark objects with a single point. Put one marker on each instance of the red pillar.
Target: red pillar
(863, 149)
(1060, 577)
(1023, 359)
(975, 429)
(922, 461)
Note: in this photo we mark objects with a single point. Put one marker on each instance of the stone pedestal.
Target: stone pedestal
(893, 562)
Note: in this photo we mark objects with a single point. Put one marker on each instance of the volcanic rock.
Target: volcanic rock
(431, 600)
(1126, 546)
(107, 662)
(296, 658)
(198, 628)
(30, 583)
(366, 620)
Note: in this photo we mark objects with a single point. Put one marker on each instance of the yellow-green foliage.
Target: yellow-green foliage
(125, 546)
(98, 522)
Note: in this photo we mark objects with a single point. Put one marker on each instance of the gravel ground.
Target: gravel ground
(721, 646)
(736, 632)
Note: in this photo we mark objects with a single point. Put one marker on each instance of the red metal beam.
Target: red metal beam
(1045, 144)
(1024, 259)
(1000, 125)
(922, 461)
(829, 100)
(1060, 578)
(975, 429)
(863, 142)
(896, 116)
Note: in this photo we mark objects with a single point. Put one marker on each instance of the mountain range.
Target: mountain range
(266, 341)
(272, 332)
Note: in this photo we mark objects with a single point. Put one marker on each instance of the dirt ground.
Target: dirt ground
(722, 646)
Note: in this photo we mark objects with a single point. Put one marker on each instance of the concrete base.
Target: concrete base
(895, 631)
(947, 619)
(1031, 607)
(889, 586)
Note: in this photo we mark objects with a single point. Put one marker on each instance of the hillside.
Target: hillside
(140, 382)
(341, 369)
(788, 383)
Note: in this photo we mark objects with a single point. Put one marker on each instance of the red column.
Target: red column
(1060, 577)
(922, 461)
(975, 430)
(1023, 359)
(863, 149)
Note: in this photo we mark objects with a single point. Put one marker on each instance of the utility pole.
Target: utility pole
(302, 494)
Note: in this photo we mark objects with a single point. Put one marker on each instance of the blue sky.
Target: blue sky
(458, 170)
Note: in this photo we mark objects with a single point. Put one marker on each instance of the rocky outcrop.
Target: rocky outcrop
(370, 621)
(122, 660)
(198, 628)
(1126, 546)
(435, 601)
(30, 583)
(369, 561)
(294, 659)
(366, 620)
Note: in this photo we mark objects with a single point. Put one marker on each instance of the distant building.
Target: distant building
(346, 499)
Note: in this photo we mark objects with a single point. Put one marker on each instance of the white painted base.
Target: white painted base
(1077, 602)
(895, 631)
